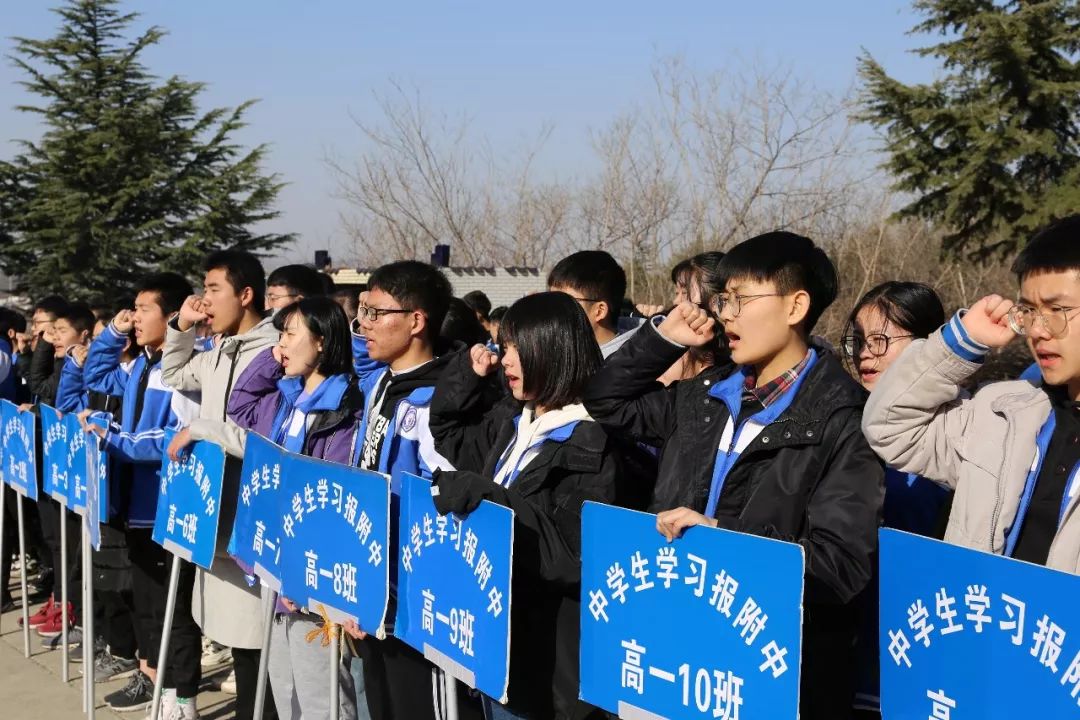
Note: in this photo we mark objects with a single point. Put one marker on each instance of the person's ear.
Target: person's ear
(601, 311)
(247, 297)
(798, 307)
(419, 323)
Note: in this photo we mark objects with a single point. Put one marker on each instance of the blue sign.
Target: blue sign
(54, 440)
(709, 626)
(20, 461)
(454, 587)
(335, 530)
(189, 504)
(256, 535)
(968, 634)
(75, 459)
(97, 484)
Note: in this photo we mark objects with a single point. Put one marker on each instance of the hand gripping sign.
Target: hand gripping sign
(453, 587)
(189, 504)
(967, 634)
(334, 525)
(709, 626)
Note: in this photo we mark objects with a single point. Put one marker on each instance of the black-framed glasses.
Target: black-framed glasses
(372, 314)
(736, 302)
(877, 344)
(1055, 320)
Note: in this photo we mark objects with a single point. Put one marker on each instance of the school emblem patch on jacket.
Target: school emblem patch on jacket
(409, 421)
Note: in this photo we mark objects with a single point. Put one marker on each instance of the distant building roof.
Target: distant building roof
(502, 285)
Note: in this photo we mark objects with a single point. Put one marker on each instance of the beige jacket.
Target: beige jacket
(983, 447)
(224, 606)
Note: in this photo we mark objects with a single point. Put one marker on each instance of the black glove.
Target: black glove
(459, 491)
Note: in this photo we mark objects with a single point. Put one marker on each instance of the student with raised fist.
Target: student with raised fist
(1011, 451)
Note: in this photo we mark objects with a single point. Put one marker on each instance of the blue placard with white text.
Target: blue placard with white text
(335, 530)
(97, 483)
(256, 534)
(75, 457)
(709, 626)
(454, 577)
(54, 440)
(20, 459)
(967, 634)
(189, 504)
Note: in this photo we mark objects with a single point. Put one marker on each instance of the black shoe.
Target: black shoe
(9, 605)
(136, 696)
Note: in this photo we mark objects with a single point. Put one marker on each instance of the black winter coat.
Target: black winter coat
(808, 478)
(546, 497)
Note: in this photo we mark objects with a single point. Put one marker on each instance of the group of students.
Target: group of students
(723, 410)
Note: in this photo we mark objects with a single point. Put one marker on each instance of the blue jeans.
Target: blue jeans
(497, 711)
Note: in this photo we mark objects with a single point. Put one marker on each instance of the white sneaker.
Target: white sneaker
(168, 705)
(184, 710)
(228, 685)
(214, 655)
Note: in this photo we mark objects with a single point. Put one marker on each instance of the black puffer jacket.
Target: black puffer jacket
(546, 497)
(809, 478)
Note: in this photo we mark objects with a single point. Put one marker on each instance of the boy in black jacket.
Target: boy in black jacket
(773, 448)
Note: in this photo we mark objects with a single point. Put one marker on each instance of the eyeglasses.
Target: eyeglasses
(584, 300)
(1055, 320)
(876, 343)
(372, 314)
(274, 298)
(736, 302)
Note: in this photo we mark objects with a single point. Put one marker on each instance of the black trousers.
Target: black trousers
(52, 514)
(115, 622)
(10, 541)
(397, 680)
(246, 666)
(150, 586)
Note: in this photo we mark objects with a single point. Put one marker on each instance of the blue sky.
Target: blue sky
(511, 67)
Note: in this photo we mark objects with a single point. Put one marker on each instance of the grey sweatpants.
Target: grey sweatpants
(300, 672)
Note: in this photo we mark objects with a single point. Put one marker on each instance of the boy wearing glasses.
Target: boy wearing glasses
(1012, 451)
(398, 361)
(773, 448)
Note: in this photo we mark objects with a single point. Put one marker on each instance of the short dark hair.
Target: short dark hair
(416, 286)
(479, 302)
(789, 261)
(680, 274)
(171, 290)
(594, 274)
(348, 301)
(462, 325)
(243, 270)
(52, 304)
(497, 314)
(79, 316)
(910, 306)
(1055, 248)
(556, 345)
(11, 320)
(326, 320)
(299, 279)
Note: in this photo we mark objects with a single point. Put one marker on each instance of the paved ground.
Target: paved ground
(31, 689)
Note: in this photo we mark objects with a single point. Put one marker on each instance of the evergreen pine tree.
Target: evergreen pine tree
(128, 176)
(990, 148)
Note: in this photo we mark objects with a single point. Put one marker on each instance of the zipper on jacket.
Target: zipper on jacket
(998, 499)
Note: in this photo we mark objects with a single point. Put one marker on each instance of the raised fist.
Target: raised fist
(987, 322)
(124, 321)
(191, 313)
(484, 362)
(688, 325)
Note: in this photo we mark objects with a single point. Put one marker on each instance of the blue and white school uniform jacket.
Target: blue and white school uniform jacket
(408, 446)
(137, 440)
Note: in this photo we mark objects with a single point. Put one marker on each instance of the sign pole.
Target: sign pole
(450, 689)
(3, 513)
(88, 624)
(166, 631)
(65, 660)
(25, 599)
(335, 663)
(270, 598)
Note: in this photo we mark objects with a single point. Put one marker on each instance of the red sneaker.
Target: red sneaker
(42, 616)
(54, 625)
